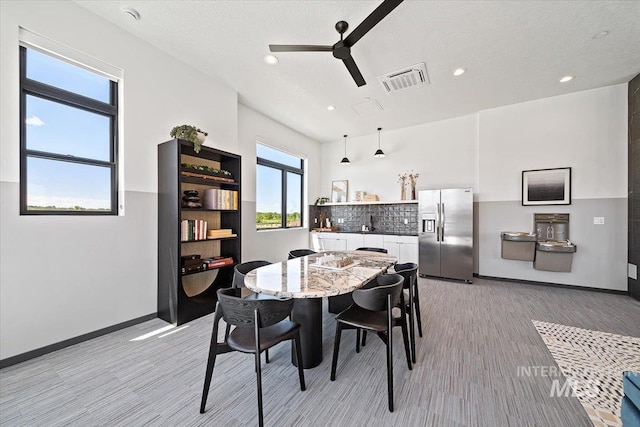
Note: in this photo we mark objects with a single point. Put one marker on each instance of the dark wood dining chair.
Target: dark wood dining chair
(297, 253)
(372, 311)
(409, 271)
(259, 325)
(381, 250)
(339, 303)
(239, 272)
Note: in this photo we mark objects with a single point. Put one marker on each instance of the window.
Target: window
(279, 191)
(68, 137)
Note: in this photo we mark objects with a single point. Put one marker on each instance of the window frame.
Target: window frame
(284, 169)
(47, 92)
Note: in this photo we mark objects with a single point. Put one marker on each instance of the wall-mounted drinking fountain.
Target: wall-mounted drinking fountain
(519, 245)
(554, 250)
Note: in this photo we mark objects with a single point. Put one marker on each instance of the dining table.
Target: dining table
(310, 278)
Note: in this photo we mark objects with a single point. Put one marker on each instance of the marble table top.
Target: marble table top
(302, 278)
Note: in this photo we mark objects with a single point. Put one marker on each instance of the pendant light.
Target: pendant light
(379, 153)
(345, 161)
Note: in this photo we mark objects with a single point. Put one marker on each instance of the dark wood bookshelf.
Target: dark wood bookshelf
(185, 297)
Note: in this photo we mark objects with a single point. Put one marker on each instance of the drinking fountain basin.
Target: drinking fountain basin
(518, 245)
(518, 236)
(565, 246)
(554, 256)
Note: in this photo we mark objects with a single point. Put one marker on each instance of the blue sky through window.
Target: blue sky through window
(53, 127)
(57, 128)
(54, 72)
(268, 189)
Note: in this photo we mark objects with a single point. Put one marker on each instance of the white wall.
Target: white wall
(443, 153)
(271, 245)
(488, 151)
(586, 131)
(62, 276)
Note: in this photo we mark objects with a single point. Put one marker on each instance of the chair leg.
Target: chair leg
(209, 373)
(296, 342)
(417, 308)
(266, 356)
(364, 338)
(405, 339)
(227, 330)
(390, 353)
(336, 348)
(358, 340)
(259, 387)
(412, 328)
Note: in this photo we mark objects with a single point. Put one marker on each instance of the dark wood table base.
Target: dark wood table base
(308, 313)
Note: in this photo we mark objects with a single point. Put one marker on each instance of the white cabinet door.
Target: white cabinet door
(354, 241)
(335, 244)
(373, 240)
(405, 248)
(408, 253)
(315, 241)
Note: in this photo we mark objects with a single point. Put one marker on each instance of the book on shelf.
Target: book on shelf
(217, 198)
(218, 261)
(193, 229)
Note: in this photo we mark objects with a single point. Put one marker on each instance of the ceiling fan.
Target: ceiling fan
(342, 49)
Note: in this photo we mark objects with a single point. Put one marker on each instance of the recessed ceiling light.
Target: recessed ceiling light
(131, 13)
(601, 35)
(271, 59)
(566, 79)
(331, 108)
(459, 71)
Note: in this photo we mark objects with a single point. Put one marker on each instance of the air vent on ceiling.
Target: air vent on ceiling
(406, 78)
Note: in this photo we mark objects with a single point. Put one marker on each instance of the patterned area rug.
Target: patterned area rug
(592, 362)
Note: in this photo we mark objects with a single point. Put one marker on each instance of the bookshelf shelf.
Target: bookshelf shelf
(183, 297)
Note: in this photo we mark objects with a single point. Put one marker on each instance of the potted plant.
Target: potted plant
(190, 133)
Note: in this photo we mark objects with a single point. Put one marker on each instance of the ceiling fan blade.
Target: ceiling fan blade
(355, 72)
(370, 21)
(299, 48)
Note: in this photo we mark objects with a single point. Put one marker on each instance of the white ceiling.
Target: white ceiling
(514, 51)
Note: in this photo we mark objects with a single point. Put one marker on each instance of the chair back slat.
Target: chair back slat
(241, 270)
(381, 250)
(409, 271)
(297, 253)
(240, 312)
(375, 298)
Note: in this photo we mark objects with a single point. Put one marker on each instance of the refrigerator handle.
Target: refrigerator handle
(442, 220)
(438, 223)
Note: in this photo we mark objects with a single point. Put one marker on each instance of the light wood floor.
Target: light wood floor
(476, 337)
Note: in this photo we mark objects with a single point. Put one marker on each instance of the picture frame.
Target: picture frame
(339, 191)
(546, 187)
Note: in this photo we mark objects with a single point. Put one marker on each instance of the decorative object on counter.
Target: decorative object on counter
(345, 161)
(339, 191)
(359, 195)
(190, 133)
(413, 177)
(408, 178)
(191, 199)
(546, 187)
(402, 179)
(371, 198)
(321, 201)
(379, 153)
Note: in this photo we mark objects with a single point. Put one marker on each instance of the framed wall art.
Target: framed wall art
(546, 187)
(339, 191)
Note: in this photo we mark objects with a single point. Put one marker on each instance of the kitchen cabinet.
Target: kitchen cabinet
(405, 248)
(354, 241)
(326, 241)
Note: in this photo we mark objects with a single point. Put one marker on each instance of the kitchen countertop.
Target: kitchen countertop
(364, 232)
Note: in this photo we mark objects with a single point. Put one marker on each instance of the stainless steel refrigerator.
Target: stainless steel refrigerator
(445, 234)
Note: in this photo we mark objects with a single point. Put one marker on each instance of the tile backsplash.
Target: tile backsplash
(380, 218)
